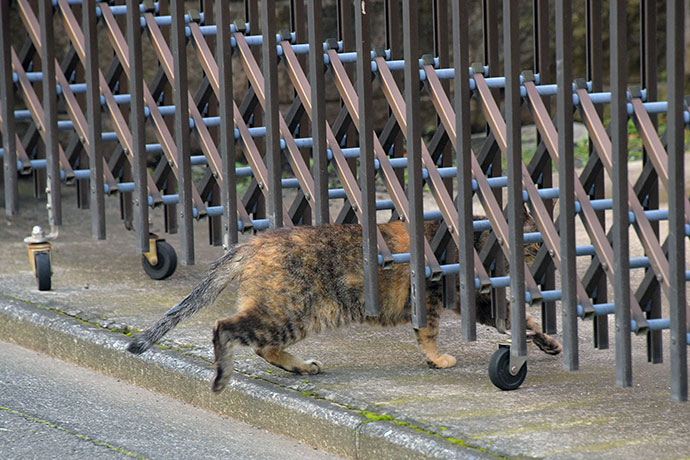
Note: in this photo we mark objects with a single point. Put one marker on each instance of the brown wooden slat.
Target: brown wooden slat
(21, 152)
(495, 214)
(253, 155)
(37, 114)
(345, 175)
(121, 129)
(603, 145)
(297, 163)
(543, 219)
(655, 148)
(395, 189)
(591, 221)
(162, 130)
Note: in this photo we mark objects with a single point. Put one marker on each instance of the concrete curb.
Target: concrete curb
(319, 423)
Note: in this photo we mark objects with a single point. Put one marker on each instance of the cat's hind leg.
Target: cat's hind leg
(286, 361)
(247, 328)
(222, 349)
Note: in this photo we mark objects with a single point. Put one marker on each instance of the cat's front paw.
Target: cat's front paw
(442, 362)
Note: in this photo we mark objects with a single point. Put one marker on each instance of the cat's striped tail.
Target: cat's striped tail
(222, 271)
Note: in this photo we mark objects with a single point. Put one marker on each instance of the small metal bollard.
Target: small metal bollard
(38, 245)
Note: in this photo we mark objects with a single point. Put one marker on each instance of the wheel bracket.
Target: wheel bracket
(37, 243)
(152, 254)
(516, 363)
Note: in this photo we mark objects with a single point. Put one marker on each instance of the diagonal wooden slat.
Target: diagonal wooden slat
(253, 155)
(644, 229)
(21, 152)
(445, 111)
(589, 218)
(398, 195)
(162, 130)
(543, 219)
(342, 168)
(77, 39)
(38, 115)
(436, 185)
(655, 148)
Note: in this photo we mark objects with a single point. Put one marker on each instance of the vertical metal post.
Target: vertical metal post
(511, 53)
(490, 16)
(216, 229)
(542, 64)
(178, 48)
(392, 11)
(490, 10)
(393, 43)
(442, 37)
(82, 157)
(136, 126)
(675, 61)
(228, 189)
(648, 48)
(366, 149)
(648, 77)
(9, 140)
(170, 216)
(440, 13)
(318, 104)
(45, 13)
(566, 181)
(595, 73)
(542, 42)
(93, 114)
(346, 33)
(619, 141)
(298, 25)
(345, 26)
(463, 128)
(270, 70)
(414, 163)
(251, 10)
(126, 175)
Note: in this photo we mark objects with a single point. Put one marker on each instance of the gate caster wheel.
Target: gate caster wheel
(43, 272)
(499, 371)
(166, 261)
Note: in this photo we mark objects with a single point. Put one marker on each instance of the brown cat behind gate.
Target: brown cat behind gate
(302, 280)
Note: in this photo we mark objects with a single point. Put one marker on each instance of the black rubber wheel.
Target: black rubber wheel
(42, 263)
(167, 262)
(499, 371)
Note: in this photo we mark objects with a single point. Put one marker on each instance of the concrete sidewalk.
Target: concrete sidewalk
(376, 398)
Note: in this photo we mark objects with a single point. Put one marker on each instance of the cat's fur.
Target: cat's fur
(293, 282)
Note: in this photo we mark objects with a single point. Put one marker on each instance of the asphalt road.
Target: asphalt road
(50, 409)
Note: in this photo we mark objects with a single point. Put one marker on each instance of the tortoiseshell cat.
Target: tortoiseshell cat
(293, 282)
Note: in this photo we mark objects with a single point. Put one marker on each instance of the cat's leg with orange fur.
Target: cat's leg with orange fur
(427, 338)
